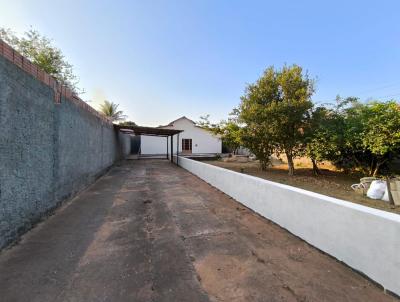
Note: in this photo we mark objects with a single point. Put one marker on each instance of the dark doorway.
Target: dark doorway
(135, 144)
(187, 145)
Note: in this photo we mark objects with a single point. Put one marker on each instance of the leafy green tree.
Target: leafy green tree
(325, 133)
(254, 138)
(334, 134)
(277, 109)
(110, 110)
(229, 131)
(41, 51)
(355, 136)
(205, 123)
(380, 135)
(127, 123)
(315, 132)
(351, 155)
(231, 134)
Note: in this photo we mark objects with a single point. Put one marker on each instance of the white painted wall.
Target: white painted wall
(364, 238)
(202, 140)
(154, 145)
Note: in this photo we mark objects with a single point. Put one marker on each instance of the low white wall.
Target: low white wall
(364, 238)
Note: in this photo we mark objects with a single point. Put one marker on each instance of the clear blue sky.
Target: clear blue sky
(163, 59)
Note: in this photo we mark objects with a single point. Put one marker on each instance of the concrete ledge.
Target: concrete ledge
(364, 238)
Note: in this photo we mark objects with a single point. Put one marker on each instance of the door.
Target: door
(187, 145)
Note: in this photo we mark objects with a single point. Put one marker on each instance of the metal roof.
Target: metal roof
(138, 130)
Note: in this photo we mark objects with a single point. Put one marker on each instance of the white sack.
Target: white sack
(377, 189)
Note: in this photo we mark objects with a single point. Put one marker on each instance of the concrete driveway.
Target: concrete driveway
(150, 231)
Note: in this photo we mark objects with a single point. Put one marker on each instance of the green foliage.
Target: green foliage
(127, 123)
(381, 127)
(231, 134)
(229, 131)
(276, 114)
(205, 123)
(110, 110)
(41, 52)
(355, 136)
(275, 111)
(254, 138)
(316, 130)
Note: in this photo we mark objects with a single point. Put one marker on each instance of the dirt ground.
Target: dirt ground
(332, 183)
(151, 231)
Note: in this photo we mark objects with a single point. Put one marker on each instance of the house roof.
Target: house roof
(188, 119)
(174, 121)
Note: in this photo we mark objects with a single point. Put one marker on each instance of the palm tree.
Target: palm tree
(110, 110)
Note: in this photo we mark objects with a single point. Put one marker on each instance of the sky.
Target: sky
(160, 60)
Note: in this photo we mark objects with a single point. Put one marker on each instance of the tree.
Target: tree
(380, 133)
(127, 123)
(315, 133)
(205, 123)
(254, 138)
(110, 110)
(325, 134)
(231, 135)
(229, 131)
(276, 108)
(44, 54)
(355, 136)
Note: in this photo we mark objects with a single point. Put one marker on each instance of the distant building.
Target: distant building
(193, 140)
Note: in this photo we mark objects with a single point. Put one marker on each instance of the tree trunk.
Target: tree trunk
(391, 202)
(377, 166)
(264, 165)
(373, 168)
(376, 170)
(290, 164)
(315, 168)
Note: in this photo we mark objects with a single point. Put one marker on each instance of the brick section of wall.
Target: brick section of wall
(60, 91)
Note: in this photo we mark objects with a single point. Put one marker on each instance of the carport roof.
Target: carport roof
(138, 130)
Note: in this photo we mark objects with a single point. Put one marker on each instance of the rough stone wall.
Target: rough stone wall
(48, 150)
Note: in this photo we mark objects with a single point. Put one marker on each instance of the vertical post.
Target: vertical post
(177, 150)
(172, 148)
(167, 146)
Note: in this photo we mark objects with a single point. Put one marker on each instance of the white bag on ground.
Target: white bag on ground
(385, 196)
(377, 189)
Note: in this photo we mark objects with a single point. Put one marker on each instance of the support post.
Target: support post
(172, 148)
(167, 147)
(177, 150)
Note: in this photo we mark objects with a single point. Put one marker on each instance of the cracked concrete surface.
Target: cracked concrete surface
(150, 231)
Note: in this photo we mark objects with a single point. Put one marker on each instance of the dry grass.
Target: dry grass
(331, 183)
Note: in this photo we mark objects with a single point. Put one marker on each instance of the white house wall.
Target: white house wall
(202, 140)
(153, 145)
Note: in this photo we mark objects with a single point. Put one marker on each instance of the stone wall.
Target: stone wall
(51, 147)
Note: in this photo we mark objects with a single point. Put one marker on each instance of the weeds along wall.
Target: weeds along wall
(52, 145)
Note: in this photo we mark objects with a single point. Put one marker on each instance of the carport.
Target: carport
(153, 131)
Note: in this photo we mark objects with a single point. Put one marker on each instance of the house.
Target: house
(193, 140)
